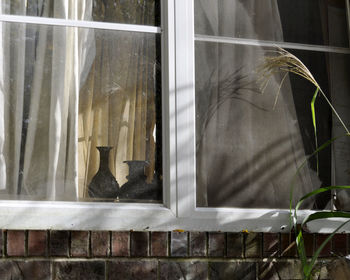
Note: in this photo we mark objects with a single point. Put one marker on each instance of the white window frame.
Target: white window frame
(179, 210)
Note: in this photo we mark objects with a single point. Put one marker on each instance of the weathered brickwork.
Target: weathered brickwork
(41, 254)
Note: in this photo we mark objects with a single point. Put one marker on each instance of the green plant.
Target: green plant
(285, 62)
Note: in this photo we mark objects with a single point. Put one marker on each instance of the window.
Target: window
(85, 101)
(170, 83)
(249, 147)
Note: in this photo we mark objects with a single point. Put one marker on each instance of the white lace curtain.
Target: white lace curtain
(40, 82)
(65, 91)
(247, 152)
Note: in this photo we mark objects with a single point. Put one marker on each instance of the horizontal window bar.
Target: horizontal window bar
(81, 23)
(253, 42)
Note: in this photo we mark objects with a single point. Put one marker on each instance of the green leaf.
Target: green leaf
(319, 250)
(325, 215)
(301, 250)
(320, 190)
(291, 192)
(314, 123)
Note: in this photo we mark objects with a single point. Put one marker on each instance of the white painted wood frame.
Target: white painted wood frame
(179, 210)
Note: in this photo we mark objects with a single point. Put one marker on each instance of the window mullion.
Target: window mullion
(168, 104)
(81, 23)
(185, 107)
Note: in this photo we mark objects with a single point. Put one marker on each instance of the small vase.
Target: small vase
(134, 188)
(137, 187)
(103, 184)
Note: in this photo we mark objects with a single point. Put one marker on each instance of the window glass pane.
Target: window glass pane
(317, 22)
(248, 149)
(78, 102)
(145, 12)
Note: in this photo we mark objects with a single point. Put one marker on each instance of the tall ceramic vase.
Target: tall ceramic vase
(103, 184)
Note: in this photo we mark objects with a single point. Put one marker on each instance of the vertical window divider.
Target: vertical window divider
(168, 104)
(185, 108)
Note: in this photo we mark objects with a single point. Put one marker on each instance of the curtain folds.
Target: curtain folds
(117, 104)
(41, 102)
(247, 152)
(66, 90)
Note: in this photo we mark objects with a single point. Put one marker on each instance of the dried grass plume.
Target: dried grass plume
(285, 62)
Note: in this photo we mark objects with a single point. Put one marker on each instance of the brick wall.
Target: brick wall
(157, 255)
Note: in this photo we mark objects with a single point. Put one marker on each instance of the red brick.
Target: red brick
(84, 270)
(120, 243)
(280, 270)
(309, 244)
(100, 243)
(252, 242)
(16, 243)
(79, 244)
(1, 242)
(232, 270)
(170, 270)
(159, 244)
(288, 246)
(198, 244)
(326, 252)
(271, 245)
(234, 245)
(178, 244)
(37, 243)
(59, 243)
(135, 270)
(339, 242)
(217, 244)
(24, 270)
(139, 244)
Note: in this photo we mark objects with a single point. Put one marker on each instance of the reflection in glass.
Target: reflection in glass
(66, 91)
(248, 151)
(145, 12)
(317, 22)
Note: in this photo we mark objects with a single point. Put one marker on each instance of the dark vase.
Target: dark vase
(133, 189)
(103, 184)
(137, 187)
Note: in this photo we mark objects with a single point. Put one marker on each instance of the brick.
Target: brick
(198, 244)
(252, 242)
(87, 270)
(183, 270)
(1, 242)
(234, 245)
(100, 242)
(217, 244)
(339, 242)
(139, 244)
(280, 270)
(120, 243)
(15, 243)
(136, 270)
(270, 245)
(309, 244)
(232, 270)
(178, 244)
(79, 244)
(37, 243)
(321, 270)
(288, 246)
(159, 244)
(59, 243)
(25, 270)
(326, 252)
(267, 271)
(339, 268)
